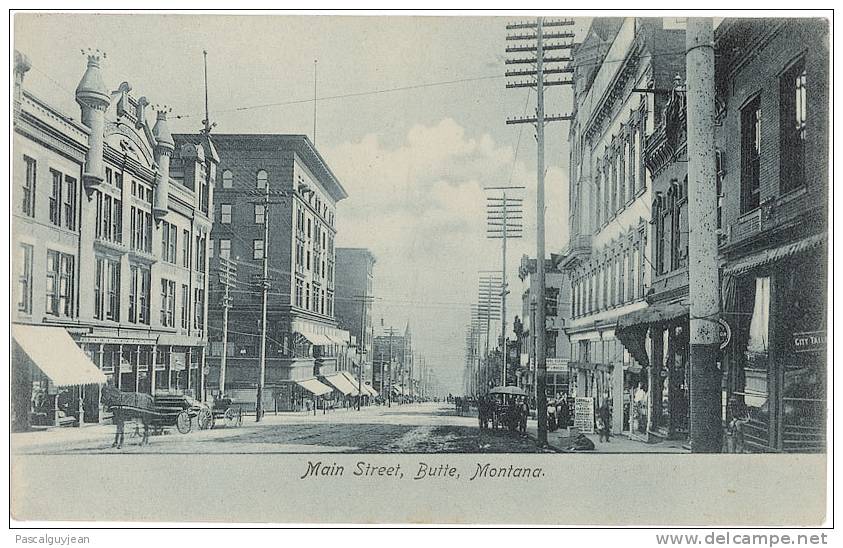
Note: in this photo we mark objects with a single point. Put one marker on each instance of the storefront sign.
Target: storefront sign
(584, 415)
(556, 364)
(810, 341)
(725, 333)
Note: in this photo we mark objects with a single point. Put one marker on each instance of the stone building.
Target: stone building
(110, 223)
(618, 69)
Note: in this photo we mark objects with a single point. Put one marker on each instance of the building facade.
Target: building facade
(392, 359)
(557, 314)
(110, 218)
(773, 94)
(618, 69)
(303, 341)
(353, 301)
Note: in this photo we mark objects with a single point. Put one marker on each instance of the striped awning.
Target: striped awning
(318, 339)
(341, 383)
(314, 387)
(767, 256)
(55, 353)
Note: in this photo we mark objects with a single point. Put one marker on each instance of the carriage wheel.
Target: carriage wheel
(205, 419)
(183, 422)
(232, 417)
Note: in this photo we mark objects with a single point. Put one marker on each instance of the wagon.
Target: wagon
(180, 411)
(228, 411)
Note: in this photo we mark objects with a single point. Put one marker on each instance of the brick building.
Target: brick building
(303, 340)
(110, 223)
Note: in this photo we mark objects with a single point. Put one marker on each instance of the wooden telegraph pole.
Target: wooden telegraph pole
(535, 49)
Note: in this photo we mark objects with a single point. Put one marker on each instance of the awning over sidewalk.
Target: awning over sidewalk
(314, 387)
(371, 391)
(772, 255)
(341, 383)
(55, 353)
(318, 339)
(632, 328)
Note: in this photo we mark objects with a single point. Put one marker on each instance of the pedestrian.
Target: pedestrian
(525, 412)
(603, 419)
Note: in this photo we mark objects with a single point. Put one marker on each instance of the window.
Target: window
(28, 192)
(551, 302)
(225, 214)
(679, 244)
(185, 307)
(260, 211)
(60, 280)
(751, 155)
(198, 309)
(261, 179)
(201, 242)
(225, 249)
(227, 179)
(257, 249)
(622, 188)
(307, 296)
(185, 248)
(793, 97)
(55, 198)
(168, 303)
(25, 278)
(299, 291)
(141, 230)
(169, 237)
(633, 160)
(139, 286)
(107, 290)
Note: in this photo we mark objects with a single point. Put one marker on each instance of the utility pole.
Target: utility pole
(704, 282)
(228, 275)
(535, 43)
(314, 101)
(490, 286)
(389, 387)
(264, 284)
(504, 216)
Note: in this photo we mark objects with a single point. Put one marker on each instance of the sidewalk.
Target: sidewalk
(619, 443)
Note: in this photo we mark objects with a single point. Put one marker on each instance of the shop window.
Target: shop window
(751, 155)
(752, 389)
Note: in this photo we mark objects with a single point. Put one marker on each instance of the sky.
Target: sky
(410, 116)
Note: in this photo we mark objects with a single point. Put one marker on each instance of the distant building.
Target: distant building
(110, 223)
(354, 295)
(392, 357)
(557, 314)
(303, 340)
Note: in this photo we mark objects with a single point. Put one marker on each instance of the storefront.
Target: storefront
(775, 303)
(657, 337)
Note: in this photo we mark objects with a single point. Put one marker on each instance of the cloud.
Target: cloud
(419, 205)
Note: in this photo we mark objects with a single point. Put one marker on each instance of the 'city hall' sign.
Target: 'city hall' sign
(809, 341)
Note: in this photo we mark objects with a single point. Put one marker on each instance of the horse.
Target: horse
(128, 405)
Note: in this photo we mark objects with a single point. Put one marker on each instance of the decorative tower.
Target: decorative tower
(94, 99)
(164, 146)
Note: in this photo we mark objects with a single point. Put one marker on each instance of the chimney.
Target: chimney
(164, 146)
(94, 99)
(22, 66)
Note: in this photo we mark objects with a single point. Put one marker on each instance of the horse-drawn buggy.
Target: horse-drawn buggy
(503, 407)
(155, 412)
(227, 411)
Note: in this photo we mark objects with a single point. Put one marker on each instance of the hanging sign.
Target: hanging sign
(725, 333)
(809, 341)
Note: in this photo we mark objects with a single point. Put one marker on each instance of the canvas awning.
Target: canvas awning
(632, 328)
(337, 340)
(318, 339)
(314, 387)
(55, 353)
(341, 383)
(371, 391)
(767, 256)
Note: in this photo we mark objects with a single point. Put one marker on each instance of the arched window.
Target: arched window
(227, 179)
(262, 179)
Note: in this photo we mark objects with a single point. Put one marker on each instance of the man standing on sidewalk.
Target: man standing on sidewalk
(603, 419)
